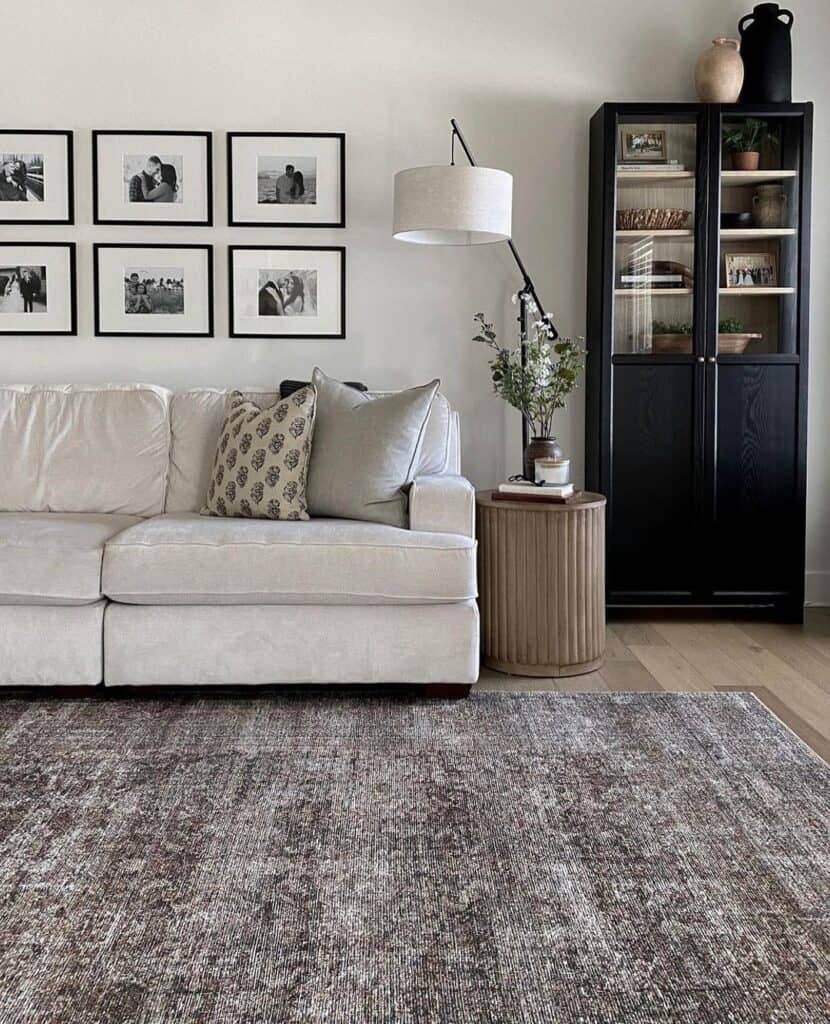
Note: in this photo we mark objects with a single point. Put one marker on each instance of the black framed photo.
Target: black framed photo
(287, 179)
(158, 178)
(36, 177)
(153, 291)
(287, 291)
(37, 288)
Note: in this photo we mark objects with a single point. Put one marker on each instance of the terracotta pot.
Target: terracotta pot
(719, 72)
(745, 161)
(539, 448)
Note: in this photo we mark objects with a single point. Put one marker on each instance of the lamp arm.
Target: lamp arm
(527, 287)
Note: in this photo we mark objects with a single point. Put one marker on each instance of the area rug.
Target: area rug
(625, 858)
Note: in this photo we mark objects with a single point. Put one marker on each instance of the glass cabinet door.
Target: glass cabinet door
(655, 235)
(760, 170)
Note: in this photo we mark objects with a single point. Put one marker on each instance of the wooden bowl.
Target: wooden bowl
(735, 344)
(671, 344)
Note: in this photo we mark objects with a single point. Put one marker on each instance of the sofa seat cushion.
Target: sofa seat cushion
(189, 559)
(54, 557)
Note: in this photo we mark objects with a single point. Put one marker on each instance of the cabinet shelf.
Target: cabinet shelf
(665, 179)
(759, 290)
(756, 234)
(732, 178)
(630, 292)
(628, 234)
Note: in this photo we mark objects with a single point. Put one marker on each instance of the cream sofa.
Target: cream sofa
(109, 574)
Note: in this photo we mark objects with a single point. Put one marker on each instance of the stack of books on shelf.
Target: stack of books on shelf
(652, 166)
(524, 490)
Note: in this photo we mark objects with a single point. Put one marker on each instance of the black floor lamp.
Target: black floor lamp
(447, 204)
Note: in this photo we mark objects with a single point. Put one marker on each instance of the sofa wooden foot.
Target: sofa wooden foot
(453, 691)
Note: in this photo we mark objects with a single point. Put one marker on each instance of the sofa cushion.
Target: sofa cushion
(196, 417)
(84, 449)
(365, 451)
(262, 459)
(54, 558)
(191, 559)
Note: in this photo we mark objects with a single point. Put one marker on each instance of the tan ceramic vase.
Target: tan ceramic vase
(769, 206)
(719, 72)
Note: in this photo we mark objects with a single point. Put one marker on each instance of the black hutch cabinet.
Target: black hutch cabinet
(698, 298)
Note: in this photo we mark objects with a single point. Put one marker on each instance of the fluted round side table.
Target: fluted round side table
(541, 579)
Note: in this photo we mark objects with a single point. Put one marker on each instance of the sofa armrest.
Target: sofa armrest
(442, 504)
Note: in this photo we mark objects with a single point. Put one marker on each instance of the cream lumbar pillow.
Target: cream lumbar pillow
(261, 460)
(365, 450)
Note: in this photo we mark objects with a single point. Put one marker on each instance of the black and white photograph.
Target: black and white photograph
(21, 177)
(35, 177)
(286, 179)
(157, 290)
(287, 291)
(750, 270)
(154, 178)
(22, 290)
(37, 288)
(150, 178)
(153, 291)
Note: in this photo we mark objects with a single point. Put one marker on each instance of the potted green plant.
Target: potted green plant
(537, 385)
(744, 140)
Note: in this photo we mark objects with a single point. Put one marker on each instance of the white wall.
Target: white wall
(522, 78)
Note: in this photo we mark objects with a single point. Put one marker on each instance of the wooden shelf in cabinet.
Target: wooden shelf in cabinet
(755, 234)
(629, 292)
(628, 235)
(759, 290)
(637, 179)
(731, 178)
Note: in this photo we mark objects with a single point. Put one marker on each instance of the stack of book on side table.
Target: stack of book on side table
(524, 490)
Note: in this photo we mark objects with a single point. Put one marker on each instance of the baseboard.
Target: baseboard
(817, 589)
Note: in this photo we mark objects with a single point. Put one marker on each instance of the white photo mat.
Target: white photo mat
(113, 263)
(246, 267)
(244, 155)
(56, 204)
(58, 318)
(192, 153)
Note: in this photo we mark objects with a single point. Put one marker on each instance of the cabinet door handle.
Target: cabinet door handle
(700, 359)
(712, 359)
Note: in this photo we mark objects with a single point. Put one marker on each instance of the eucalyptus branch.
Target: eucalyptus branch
(540, 387)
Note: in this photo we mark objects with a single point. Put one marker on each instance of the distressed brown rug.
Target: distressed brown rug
(630, 858)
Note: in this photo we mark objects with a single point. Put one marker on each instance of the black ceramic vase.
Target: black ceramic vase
(766, 50)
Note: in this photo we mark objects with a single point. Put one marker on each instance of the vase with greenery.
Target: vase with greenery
(535, 377)
(744, 141)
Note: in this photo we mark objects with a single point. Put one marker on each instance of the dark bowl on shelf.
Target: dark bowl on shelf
(736, 220)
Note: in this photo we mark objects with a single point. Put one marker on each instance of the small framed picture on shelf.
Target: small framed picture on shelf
(287, 179)
(640, 145)
(750, 270)
(37, 288)
(287, 291)
(153, 291)
(159, 178)
(36, 177)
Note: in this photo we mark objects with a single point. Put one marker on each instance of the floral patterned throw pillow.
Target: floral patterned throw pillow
(261, 460)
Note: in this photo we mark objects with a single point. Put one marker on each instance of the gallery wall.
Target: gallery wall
(523, 80)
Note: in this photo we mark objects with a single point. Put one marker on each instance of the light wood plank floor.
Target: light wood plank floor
(787, 667)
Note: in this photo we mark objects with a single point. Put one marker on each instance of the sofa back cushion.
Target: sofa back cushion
(96, 449)
(196, 417)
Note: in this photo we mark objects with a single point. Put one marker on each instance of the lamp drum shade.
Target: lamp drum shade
(453, 205)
